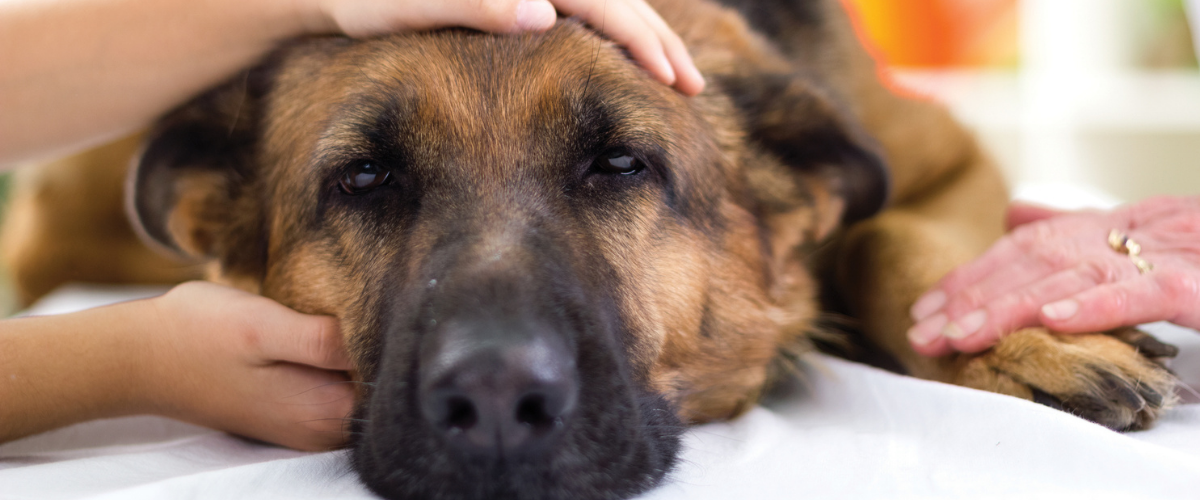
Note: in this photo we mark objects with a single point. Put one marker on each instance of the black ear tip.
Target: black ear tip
(866, 187)
(174, 149)
(142, 201)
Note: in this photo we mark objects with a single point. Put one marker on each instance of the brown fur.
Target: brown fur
(66, 222)
(711, 316)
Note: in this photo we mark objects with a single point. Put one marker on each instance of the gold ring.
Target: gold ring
(1123, 244)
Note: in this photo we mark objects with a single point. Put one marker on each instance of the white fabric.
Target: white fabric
(850, 432)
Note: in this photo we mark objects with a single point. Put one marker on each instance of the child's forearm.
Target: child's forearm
(80, 72)
(60, 370)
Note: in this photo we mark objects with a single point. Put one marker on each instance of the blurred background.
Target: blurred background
(1065, 94)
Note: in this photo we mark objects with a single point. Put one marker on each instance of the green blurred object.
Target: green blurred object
(1164, 38)
(8, 297)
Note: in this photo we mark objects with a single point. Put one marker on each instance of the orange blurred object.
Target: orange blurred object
(939, 33)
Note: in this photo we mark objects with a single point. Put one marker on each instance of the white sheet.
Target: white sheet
(853, 432)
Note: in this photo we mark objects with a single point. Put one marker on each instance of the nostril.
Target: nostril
(532, 411)
(460, 414)
(495, 399)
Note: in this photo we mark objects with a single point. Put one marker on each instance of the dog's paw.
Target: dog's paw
(1116, 379)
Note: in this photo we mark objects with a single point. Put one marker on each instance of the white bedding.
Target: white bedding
(852, 432)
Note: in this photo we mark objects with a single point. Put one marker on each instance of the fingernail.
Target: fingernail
(965, 325)
(535, 15)
(928, 304)
(1061, 310)
(927, 331)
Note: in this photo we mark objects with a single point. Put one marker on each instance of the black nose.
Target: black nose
(500, 399)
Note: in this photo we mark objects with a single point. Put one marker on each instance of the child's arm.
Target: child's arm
(202, 353)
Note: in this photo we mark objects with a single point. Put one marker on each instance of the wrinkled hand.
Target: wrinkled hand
(1056, 269)
(631, 23)
(245, 364)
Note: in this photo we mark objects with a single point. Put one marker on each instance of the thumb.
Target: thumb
(500, 16)
(305, 339)
(497, 16)
(1020, 213)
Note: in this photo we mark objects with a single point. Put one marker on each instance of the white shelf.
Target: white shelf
(1133, 134)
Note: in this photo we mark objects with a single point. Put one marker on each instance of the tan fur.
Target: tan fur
(65, 222)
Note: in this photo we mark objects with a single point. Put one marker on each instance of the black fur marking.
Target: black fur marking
(775, 17)
(810, 132)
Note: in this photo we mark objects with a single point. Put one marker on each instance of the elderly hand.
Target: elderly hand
(1058, 269)
(631, 23)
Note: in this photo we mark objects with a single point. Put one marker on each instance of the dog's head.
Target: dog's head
(544, 262)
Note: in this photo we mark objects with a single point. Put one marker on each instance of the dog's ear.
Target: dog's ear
(806, 128)
(193, 189)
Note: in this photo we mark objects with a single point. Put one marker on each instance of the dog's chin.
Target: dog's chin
(616, 449)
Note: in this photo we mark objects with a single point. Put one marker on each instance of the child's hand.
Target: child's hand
(245, 364)
(632, 23)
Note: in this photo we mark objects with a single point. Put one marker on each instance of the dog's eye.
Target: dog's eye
(362, 177)
(618, 162)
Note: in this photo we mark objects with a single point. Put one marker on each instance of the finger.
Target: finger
(1000, 254)
(535, 15)
(1157, 296)
(938, 347)
(688, 78)
(985, 288)
(1020, 308)
(1026, 255)
(625, 25)
(497, 16)
(1020, 213)
(977, 323)
(500, 16)
(1152, 210)
(1005, 280)
(311, 410)
(926, 338)
(304, 339)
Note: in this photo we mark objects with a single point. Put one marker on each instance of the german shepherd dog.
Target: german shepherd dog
(546, 264)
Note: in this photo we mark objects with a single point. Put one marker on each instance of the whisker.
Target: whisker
(368, 384)
(306, 391)
(1185, 387)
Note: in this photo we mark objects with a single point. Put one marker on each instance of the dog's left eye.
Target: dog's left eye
(363, 177)
(618, 162)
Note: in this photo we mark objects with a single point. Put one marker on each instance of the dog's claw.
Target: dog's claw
(1044, 398)
(1115, 389)
(1152, 397)
(1145, 343)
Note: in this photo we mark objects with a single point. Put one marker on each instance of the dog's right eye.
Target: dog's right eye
(362, 177)
(618, 162)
